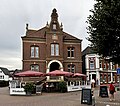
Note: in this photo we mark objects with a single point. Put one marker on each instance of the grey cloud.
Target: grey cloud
(14, 14)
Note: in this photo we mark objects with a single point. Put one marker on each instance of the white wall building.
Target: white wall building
(4, 74)
(101, 70)
(92, 67)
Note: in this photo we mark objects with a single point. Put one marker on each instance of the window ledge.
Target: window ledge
(55, 55)
(71, 57)
(34, 57)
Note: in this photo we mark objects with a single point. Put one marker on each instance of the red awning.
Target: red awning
(29, 73)
(59, 73)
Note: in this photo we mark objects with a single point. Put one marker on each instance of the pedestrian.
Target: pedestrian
(93, 83)
(111, 91)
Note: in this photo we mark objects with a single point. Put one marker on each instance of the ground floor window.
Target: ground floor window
(71, 68)
(35, 67)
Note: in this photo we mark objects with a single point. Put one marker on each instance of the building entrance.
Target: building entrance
(54, 66)
(94, 77)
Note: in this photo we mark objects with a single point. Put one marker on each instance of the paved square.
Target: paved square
(52, 99)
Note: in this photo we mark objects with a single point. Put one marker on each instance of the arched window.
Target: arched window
(34, 51)
(34, 67)
(71, 68)
(70, 52)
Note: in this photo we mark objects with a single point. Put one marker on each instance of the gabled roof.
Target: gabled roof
(88, 50)
(69, 36)
(41, 33)
(5, 70)
(36, 33)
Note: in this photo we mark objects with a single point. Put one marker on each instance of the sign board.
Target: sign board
(86, 96)
(103, 91)
(118, 71)
(38, 89)
(17, 91)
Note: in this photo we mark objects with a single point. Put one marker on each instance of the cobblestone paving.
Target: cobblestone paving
(52, 99)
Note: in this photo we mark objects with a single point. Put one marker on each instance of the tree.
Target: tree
(104, 29)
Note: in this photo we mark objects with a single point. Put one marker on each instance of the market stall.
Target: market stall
(16, 87)
(76, 82)
(29, 78)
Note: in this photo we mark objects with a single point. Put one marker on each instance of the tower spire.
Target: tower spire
(54, 15)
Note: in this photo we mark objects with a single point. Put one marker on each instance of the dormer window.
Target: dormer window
(54, 27)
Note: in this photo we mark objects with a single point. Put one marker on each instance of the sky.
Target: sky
(14, 14)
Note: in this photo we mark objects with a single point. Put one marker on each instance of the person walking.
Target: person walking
(111, 91)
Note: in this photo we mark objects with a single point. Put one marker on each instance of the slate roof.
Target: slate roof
(88, 50)
(41, 33)
(5, 71)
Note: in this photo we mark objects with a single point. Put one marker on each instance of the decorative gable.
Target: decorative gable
(54, 24)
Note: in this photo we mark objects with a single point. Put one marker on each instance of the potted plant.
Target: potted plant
(29, 87)
(62, 86)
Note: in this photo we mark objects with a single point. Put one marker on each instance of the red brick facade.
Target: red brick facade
(51, 48)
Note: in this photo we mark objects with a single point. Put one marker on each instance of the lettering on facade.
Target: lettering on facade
(75, 88)
(17, 91)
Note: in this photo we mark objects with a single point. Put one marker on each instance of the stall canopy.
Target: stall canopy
(79, 75)
(29, 73)
(59, 73)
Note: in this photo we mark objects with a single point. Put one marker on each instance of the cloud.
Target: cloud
(14, 14)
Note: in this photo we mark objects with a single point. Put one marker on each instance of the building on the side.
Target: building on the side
(4, 74)
(50, 48)
(101, 70)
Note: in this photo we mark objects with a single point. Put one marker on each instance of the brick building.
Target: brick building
(50, 48)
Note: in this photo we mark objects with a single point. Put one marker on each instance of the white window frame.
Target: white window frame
(54, 49)
(71, 52)
(34, 51)
(71, 68)
(34, 67)
(92, 65)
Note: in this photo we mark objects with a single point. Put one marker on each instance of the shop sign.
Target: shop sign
(118, 71)
(17, 91)
(86, 96)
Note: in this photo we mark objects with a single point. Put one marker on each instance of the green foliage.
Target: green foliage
(29, 87)
(104, 28)
(62, 86)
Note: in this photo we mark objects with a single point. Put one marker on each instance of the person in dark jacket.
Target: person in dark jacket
(111, 91)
